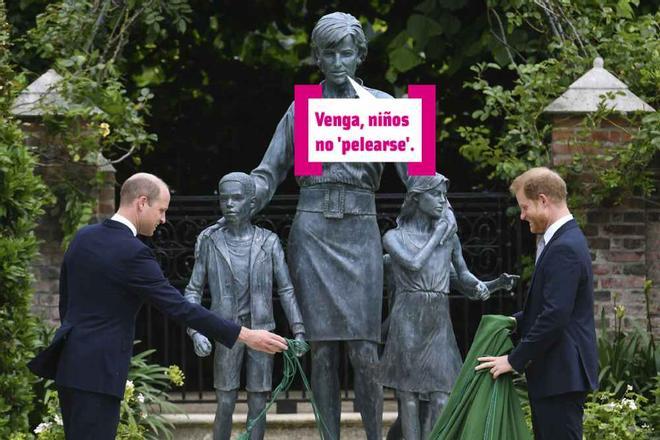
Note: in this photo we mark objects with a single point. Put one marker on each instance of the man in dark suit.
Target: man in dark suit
(106, 276)
(557, 348)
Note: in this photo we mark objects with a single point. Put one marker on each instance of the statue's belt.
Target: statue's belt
(432, 292)
(336, 200)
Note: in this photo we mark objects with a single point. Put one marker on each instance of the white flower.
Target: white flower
(140, 398)
(143, 414)
(58, 419)
(129, 390)
(611, 406)
(629, 388)
(43, 426)
(629, 403)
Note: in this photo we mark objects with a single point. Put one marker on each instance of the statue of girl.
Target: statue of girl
(421, 358)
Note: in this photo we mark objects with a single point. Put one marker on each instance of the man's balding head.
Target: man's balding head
(141, 184)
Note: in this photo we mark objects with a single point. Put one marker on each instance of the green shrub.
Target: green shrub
(607, 417)
(145, 397)
(22, 197)
(44, 335)
(628, 403)
(652, 416)
(627, 358)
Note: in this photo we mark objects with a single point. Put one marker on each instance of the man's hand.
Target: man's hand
(262, 340)
(498, 365)
(201, 344)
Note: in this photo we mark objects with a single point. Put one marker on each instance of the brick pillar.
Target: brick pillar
(570, 137)
(46, 267)
(105, 194)
(653, 261)
(624, 240)
(29, 107)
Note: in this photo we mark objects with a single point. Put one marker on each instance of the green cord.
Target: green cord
(291, 365)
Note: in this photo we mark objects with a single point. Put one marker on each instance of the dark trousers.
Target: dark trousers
(87, 415)
(558, 417)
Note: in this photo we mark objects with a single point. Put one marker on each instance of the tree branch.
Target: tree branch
(125, 156)
(97, 24)
(556, 30)
(502, 37)
(574, 30)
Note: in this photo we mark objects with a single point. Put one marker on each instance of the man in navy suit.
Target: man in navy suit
(557, 348)
(106, 276)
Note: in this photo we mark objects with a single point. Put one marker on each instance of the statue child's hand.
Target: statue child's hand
(201, 344)
(441, 229)
(509, 281)
(482, 291)
(300, 337)
(451, 227)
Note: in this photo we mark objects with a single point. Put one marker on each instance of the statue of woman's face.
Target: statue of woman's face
(339, 61)
(434, 201)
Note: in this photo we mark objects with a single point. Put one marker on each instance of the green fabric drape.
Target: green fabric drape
(480, 407)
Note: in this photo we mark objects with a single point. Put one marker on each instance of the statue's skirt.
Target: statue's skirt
(336, 266)
(421, 354)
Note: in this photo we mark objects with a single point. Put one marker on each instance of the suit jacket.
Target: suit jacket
(213, 263)
(107, 274)
(557, 349)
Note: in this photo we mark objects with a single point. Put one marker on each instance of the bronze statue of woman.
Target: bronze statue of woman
(334, 249)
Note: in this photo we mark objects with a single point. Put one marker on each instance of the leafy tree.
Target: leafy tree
(205, 81)
(509, 132)
(85, 42)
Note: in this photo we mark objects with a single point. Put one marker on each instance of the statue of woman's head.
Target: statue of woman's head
(338, 46)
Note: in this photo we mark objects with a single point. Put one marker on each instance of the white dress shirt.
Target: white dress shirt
(121, 219)
(547, 235)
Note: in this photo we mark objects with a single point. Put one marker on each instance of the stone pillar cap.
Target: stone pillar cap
(40, 95)
(104, 164)
(584, 95)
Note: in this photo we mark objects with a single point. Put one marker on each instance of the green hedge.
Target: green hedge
(22, 196)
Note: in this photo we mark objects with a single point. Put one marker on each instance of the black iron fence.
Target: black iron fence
(491, 241)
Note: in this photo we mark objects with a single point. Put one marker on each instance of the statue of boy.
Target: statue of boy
(239, 261)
